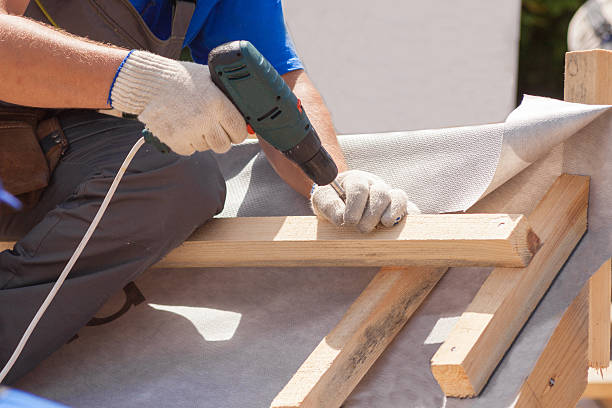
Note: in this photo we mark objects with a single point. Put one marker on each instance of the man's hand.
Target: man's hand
(369, 201)
(178, 103)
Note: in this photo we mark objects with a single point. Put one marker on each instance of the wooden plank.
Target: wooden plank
(477, 343)
(599, 384)
(599, 316)
(587, 77)
(343, 357)
(588, 80)
(424, 240)
(560, 374)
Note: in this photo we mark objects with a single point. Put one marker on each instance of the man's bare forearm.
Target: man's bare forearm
(47, 68)
(320, 117)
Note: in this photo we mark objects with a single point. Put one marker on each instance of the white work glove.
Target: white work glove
(178, 103)
(369, 201)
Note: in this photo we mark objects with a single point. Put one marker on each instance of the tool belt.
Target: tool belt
(30, 149)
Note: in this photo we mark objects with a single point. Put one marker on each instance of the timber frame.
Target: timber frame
(393, 296)
(558, 377)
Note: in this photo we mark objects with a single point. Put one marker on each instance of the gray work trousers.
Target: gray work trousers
(159, 203)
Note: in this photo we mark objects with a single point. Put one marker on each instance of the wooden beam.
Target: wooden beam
(477, 343)
(559, 377)
(587, 77)
(343, 357)
(588, 80)
(424, 240)
(599, 384)
(599, 316)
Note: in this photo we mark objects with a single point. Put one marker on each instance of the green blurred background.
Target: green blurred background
(543, 46)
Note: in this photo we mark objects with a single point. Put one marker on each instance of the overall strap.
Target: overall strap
(183, 11)
(116, 22)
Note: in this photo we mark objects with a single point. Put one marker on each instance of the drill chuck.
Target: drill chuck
(313, 159)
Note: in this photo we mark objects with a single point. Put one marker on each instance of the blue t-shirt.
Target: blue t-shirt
(215, 22)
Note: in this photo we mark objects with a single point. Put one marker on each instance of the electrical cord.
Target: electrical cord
(75, 256)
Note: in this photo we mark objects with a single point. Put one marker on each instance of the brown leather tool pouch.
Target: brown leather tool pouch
(29, 152)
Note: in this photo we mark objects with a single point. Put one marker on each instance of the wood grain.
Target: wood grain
(424, 240)
(559, 377)
(588, 81)
(466, 360)
(599, 316)
(340, 361)
(587, 77)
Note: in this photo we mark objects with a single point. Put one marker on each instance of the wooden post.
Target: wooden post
(599, 317)
(423, 240)
(588, 79)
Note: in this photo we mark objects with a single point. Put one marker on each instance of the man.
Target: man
(162, 198)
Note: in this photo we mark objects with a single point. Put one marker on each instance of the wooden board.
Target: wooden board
(424, 240)
(587, 80)
(343, 357)
(599, 384)
(587, 77)
(560, 374)
(477, 343)
(599, 316)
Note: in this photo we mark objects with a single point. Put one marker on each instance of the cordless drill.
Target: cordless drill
(270, 109)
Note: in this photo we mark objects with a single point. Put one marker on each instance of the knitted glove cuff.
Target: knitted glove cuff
(139, 78)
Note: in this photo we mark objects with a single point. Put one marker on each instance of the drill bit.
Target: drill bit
(336, 186)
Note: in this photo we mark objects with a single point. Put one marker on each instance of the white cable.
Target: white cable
(75, 256)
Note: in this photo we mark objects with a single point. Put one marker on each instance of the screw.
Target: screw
(551, 382)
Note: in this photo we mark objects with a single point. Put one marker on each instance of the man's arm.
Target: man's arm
(17, 7)
(44, 67)
(320, 117)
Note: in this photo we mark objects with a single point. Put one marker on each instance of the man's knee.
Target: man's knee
(196, 191)
(180, 197)
(161, 200)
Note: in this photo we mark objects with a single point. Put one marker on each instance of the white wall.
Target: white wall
(386, 65)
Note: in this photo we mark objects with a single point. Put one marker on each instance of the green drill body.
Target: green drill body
(270, 108)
